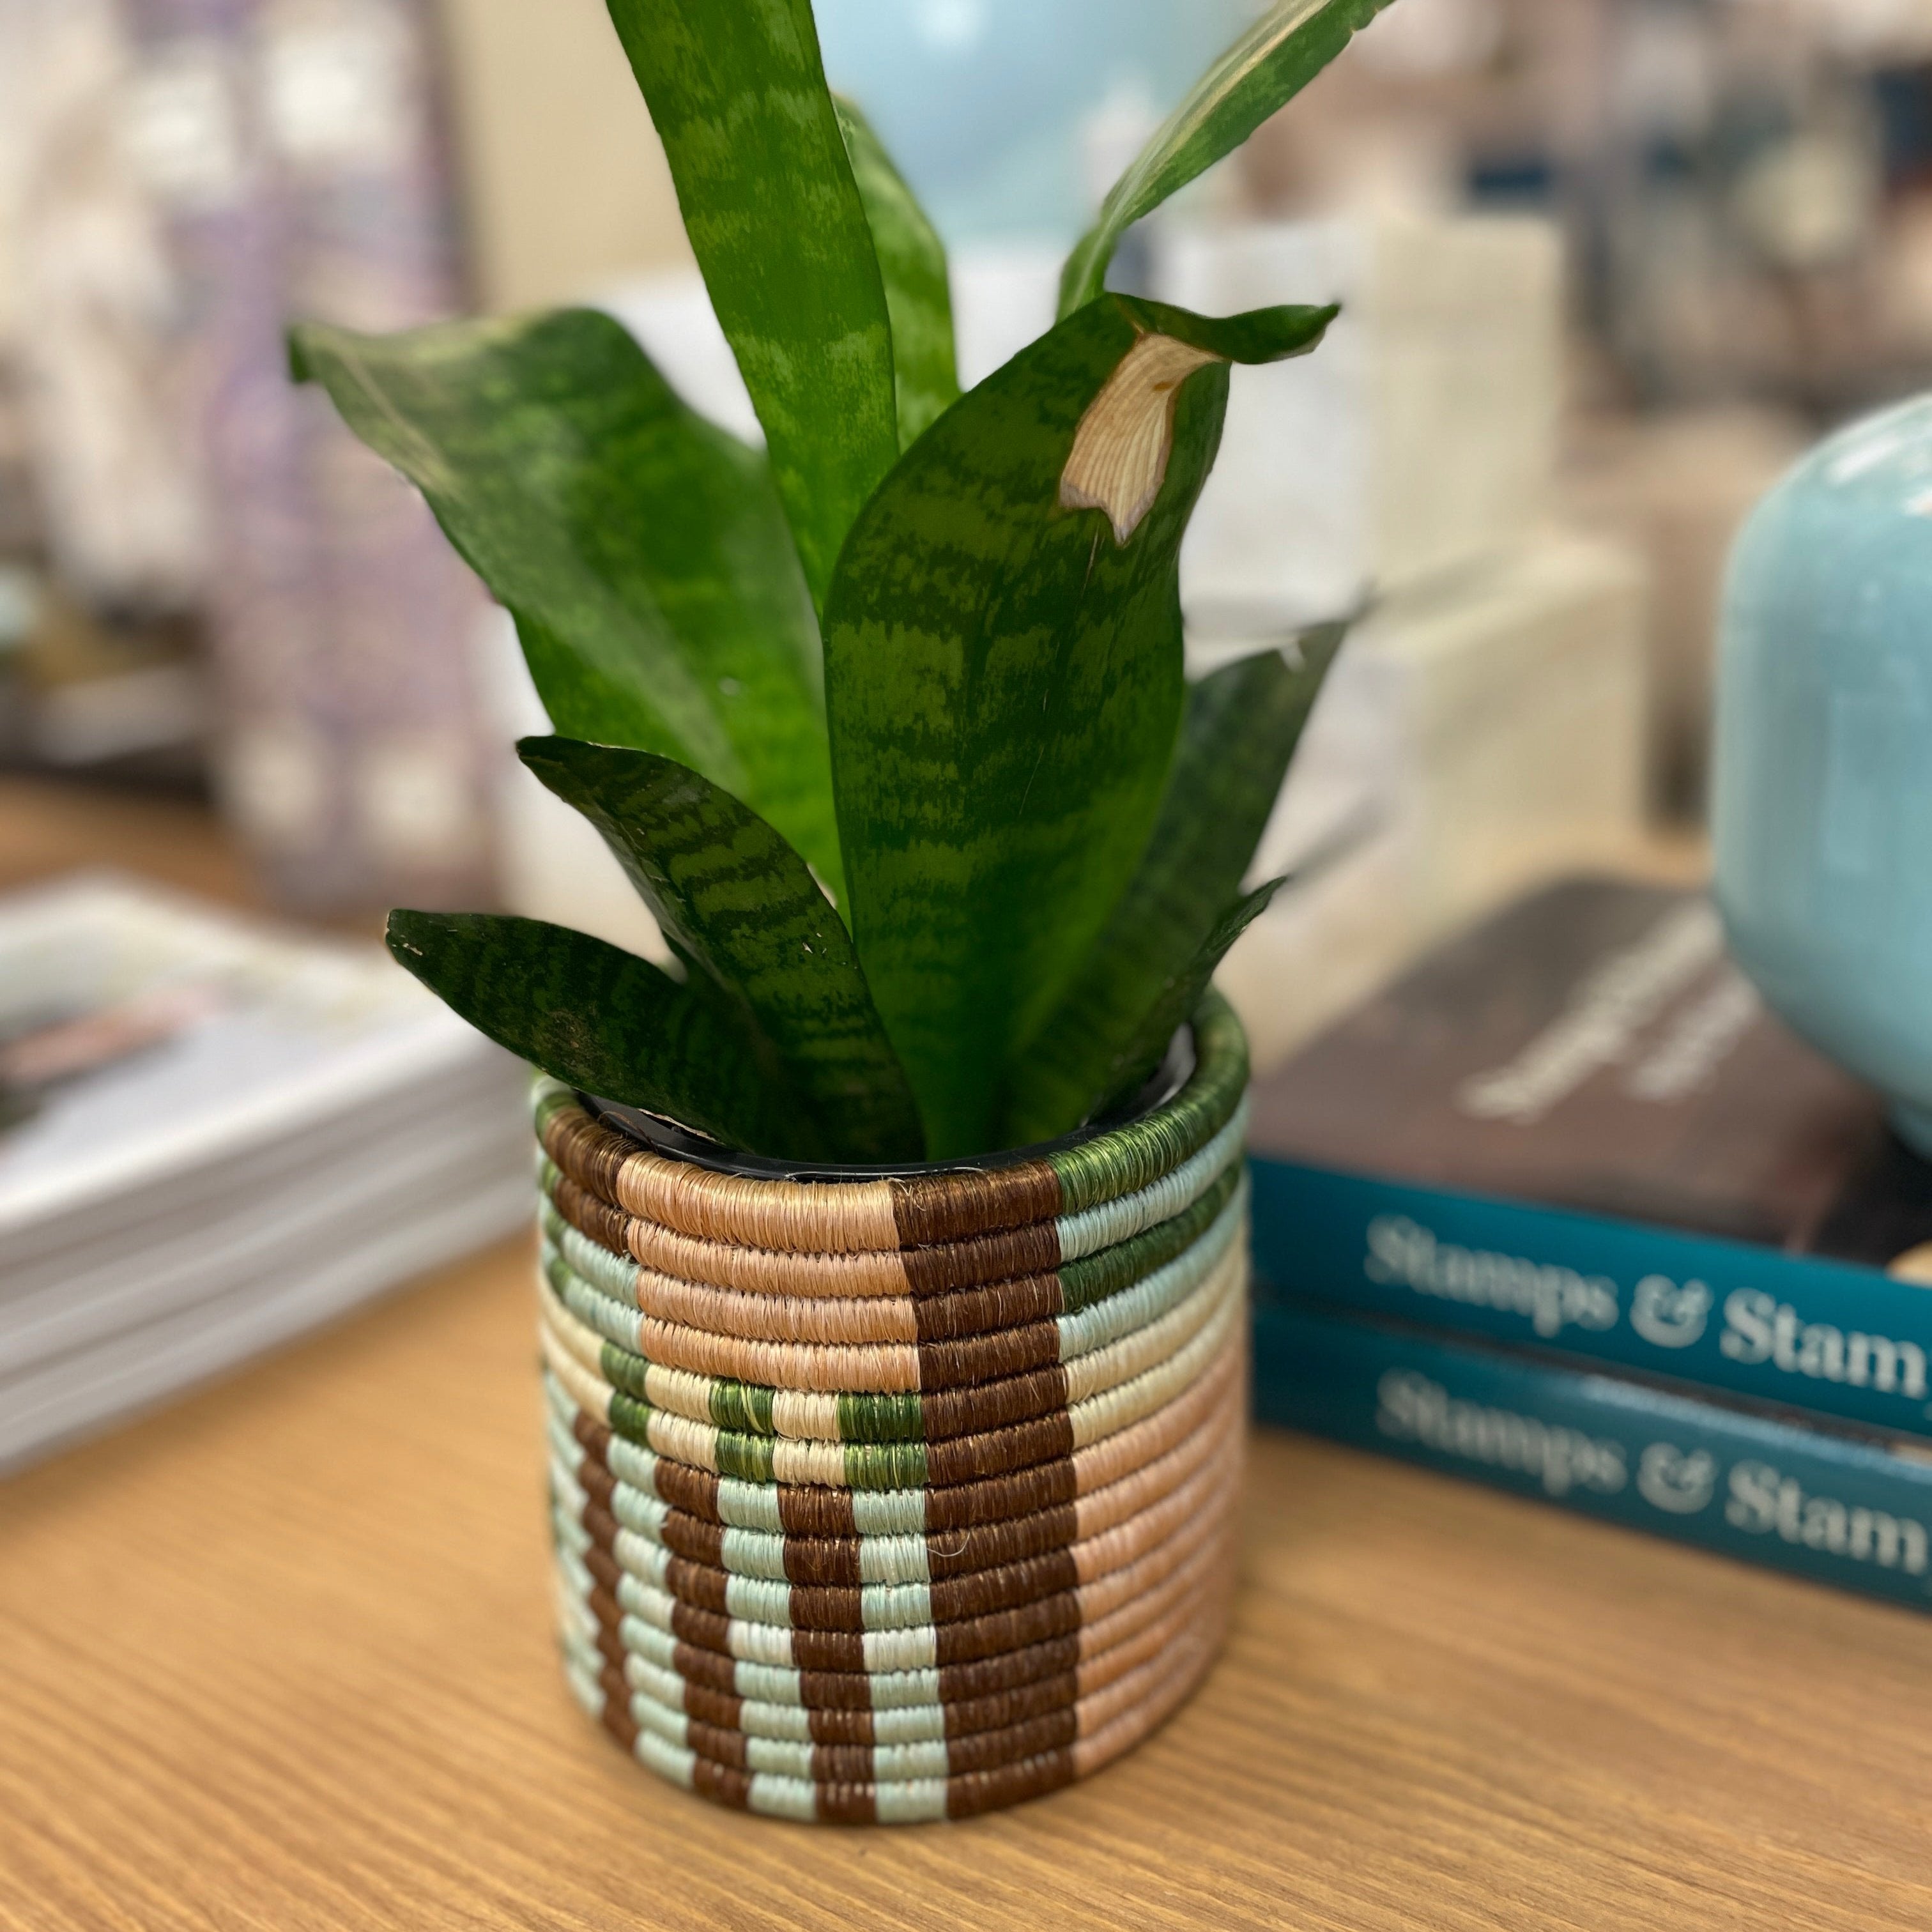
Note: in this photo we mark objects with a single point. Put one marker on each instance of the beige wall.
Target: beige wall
(566, 186)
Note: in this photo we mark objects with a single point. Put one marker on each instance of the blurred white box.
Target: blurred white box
(1003, 295)
(1476, 736)
(1419, 437)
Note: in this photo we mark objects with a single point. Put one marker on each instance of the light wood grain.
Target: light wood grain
(48, 828)
(278, 1658)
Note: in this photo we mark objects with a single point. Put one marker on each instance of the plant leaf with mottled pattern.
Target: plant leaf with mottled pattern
(642, 551)
(606, 1022)
(739, 906)
(1277, 57)
(1241, 731)
(1003, 678)
(912, 260)
(1178, 997)
(737, 91)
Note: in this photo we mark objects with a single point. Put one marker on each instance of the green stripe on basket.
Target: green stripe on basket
(548, 1098)
(747, 1457)
(885, 1465)
(868, 1465)
(729, 1404)
(1093, 1278)
(742, 1405)
(874, 1418)
(1135, 1155)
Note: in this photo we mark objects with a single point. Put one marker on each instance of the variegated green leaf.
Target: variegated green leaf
(739, 906)
(642, 551)
(606, 1022)
(912, 260)
(738, 93)
(1240, 731)
(1003, 678)
(1278, 56)
(1178, 997)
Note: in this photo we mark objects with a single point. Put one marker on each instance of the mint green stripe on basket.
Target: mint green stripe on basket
(614, 1275)
(1165, 1288)
(1088, 1279)
(909, 1689)
(900, 1558)
(760, 1600)
(921, 1724)
(1112, 1222)
(743, 1505)
(657, 1704)
(914, 1647)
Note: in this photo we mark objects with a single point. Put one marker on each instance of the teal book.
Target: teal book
(1828, 1504)
(1577, 1128)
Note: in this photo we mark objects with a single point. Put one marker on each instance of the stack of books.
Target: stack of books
(214, 1136)
(1568, 1212)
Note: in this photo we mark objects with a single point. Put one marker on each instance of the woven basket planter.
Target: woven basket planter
(900, 1495)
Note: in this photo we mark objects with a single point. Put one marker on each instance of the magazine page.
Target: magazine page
(143, 1036)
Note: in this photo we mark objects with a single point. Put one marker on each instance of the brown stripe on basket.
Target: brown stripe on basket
(967, 1793)
(970, 1640)
(965, 1717)
(814, 1511)
(930, 1207)
(825, 1562)
(988, 1769)
(1155, 1616)
(839, 1762)
(824, 1217)
(1109, 1524)
(921, 1273)
(968, 1717)
(842, 1217)
(973, 1593)
(768, 1300)
(728, 1264)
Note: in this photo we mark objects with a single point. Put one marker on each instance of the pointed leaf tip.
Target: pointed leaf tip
(1239, 734)
(1285, 49)
(602, 1020)
(756, 932)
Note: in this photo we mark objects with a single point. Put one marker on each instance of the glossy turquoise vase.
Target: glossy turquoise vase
(1822, 782)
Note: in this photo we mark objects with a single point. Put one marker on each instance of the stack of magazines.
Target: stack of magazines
(1568, 1212)
(214, 1136)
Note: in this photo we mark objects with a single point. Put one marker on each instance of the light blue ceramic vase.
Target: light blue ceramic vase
(984, 103)
(1822, 784)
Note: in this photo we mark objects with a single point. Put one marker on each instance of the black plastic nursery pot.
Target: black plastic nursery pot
(894, 1494)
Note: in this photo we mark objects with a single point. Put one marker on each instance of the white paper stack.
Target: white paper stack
(214, 1136)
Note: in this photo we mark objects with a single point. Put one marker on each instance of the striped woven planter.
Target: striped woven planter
(895, 1496)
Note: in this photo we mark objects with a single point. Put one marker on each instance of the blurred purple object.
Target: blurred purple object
(296, 147)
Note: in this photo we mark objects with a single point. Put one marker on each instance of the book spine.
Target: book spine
(1837, 1511)
(1840, 1340)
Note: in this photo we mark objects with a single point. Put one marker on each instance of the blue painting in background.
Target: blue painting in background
(1009, 116)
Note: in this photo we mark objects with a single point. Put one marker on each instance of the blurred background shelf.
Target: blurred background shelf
(1609, 264)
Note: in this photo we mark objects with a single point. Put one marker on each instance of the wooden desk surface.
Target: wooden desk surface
(278, 1658)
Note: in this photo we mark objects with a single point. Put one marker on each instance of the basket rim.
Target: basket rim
(660, 1136)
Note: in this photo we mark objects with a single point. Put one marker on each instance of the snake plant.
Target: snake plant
(887, 720)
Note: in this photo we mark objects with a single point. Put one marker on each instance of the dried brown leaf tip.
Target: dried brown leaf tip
(1119, 460)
